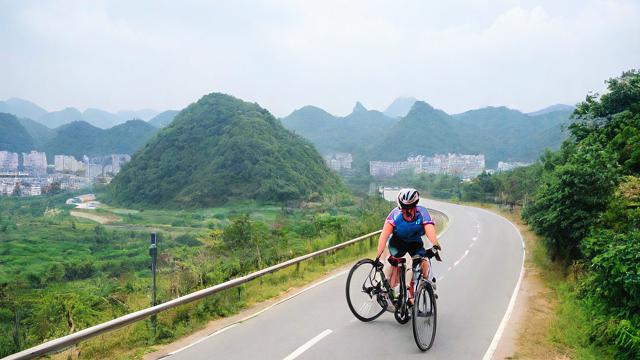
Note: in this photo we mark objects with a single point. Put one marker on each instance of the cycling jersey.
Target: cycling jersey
(407, 235)
(409, 231)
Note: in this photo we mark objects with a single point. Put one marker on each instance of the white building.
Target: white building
(8, 161)
(462, 166)
(339, 161)
(64, 163)
(35, 162)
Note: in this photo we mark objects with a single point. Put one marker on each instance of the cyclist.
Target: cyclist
(402, 232)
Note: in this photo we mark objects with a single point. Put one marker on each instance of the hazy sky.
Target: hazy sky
(456, 55)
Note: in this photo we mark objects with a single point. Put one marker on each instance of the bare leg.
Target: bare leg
(424, 265)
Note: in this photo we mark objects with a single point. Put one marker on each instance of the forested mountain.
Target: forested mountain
(55, 119)
(164, 118)
(400, 107)
(502, 134)
(552, 108)
(40, 133)
(100, 118)
(21, 108)
(13, 136)
(81, 138)
(329, 133)
(222, 148)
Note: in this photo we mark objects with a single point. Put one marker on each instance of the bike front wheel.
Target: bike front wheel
(424, 316)
(364, 290)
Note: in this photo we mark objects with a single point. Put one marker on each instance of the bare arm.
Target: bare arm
(387, 229)
(430, 231)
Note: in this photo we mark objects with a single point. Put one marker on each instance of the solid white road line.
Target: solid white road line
(259, 312)
(306, 346)
(505, 319)
(203, 339)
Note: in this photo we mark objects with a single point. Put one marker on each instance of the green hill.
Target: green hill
(424, 130)
(222, 148)
(81, 138)
(356, 131)
(164, 118)
(40, 133)
(502, 134)
(13, 136)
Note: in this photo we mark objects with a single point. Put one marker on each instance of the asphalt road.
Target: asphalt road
(483, 255)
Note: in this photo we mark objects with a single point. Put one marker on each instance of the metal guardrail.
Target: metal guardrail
(72, 339)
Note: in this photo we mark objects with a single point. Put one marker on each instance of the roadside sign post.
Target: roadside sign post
(153, 252)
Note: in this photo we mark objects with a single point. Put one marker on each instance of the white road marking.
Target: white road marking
(259, 312)
(308, 345)
(203, 339)
(474, 238)
(471, 245)
(505, 319)
(283, 300)
(449, 269)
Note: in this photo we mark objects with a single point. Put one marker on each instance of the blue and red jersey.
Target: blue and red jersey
(409, 231)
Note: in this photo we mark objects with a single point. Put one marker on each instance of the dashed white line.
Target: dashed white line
(449, 269)
(306, 346)
(474, 238)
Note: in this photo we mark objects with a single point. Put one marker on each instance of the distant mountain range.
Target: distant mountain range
(500, 133)
(77, 138)
(99, 118)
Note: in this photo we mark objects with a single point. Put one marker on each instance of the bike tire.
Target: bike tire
(365, 307)
(424, 316)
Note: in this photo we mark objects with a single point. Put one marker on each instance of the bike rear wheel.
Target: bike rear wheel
(365, 291)
(424, 316)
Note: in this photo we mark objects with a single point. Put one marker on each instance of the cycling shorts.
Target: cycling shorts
(399, 248)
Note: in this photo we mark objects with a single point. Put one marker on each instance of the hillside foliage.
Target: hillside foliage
(81, 138)
(222, 148)
(13, 136)
(501, 134)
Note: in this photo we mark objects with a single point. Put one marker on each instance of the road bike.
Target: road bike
(369, 295)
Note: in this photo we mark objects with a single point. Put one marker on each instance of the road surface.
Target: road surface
(483, 256)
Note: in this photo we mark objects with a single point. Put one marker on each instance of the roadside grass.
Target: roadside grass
(555, 325)
(132, 342)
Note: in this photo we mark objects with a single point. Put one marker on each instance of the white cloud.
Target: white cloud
(286, 54)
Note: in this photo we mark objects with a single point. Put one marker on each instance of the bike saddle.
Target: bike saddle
(395, 261)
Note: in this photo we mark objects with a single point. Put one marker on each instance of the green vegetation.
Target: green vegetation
(13, 136)
(498, 132)
(81, 138)
(60, 274)
(222, 148)
(356, 132)
(164, 118)
(585, 203)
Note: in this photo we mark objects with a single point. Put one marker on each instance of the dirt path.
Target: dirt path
(102, 219)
